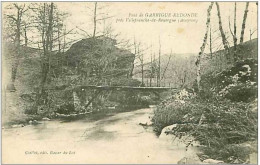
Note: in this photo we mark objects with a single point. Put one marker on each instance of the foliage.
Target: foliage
(222, 123)
(222, 117)
(239, 83)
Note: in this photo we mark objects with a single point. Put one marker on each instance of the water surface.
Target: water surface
(111, 139)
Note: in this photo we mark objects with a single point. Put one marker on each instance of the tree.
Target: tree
(95, 20)
(97, 15)
(166, 67)
(210, 42)
(47, 44)
(15, 21)
(45, 16)
(159, 65)
(223, 36)
(25, 35)
(135, 53)
(141, 57)
(235, 32)
(252, 32)
(213, 40)
(244, 23)
(234, 35)
(151, 67)
(202, 48)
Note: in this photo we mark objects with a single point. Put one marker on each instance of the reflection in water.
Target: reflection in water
(112, 139)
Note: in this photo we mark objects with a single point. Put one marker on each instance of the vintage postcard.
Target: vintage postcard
(129, 82)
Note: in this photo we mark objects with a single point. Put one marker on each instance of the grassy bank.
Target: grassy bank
(222, 117)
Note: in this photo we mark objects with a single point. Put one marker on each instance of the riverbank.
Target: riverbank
(222, 116)
(15, 118)
(15, 112)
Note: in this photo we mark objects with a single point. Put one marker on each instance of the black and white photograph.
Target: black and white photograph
(129, 82)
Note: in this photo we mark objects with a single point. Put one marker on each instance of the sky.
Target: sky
(176, 37)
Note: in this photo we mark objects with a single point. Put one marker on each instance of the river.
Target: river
(116, 138)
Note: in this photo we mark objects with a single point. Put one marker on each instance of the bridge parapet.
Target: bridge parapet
(114, 88)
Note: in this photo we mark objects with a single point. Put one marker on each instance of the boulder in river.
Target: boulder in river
(213, 161)
(17, 125)
(194, 159)
(146, 123)
(34, 122)
(46, 119)
(166, 131)
(184, 140)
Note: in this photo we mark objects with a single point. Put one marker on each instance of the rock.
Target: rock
(10, 87)
(34, 122)
(212, 161)
(204, 157)
(165, 136)
(166, 130)
(111, 107)
(249, 146)
(17, 125)
(237, 161)
(46, 119)
(143, 124)
(253, 158)
(184, 139)
(190, 160)
(149, 123)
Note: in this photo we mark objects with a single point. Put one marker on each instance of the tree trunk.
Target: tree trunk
(250, 34)
(223, 36)
(142, 64)
(159, 69)
(59, 40)
(17, 46)
(95, 20)
(133, 65)
(165, 69)
(151, 69)
(235, 32)
(202, 48)
(210, 43)
(25, 36)
(244, 23)
(142, 70)
(41, 95)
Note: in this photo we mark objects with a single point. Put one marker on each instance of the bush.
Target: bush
(239, 83)
(172, 110)
(216, 124)
(245, 92)
(221, 117)
(168, 115)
